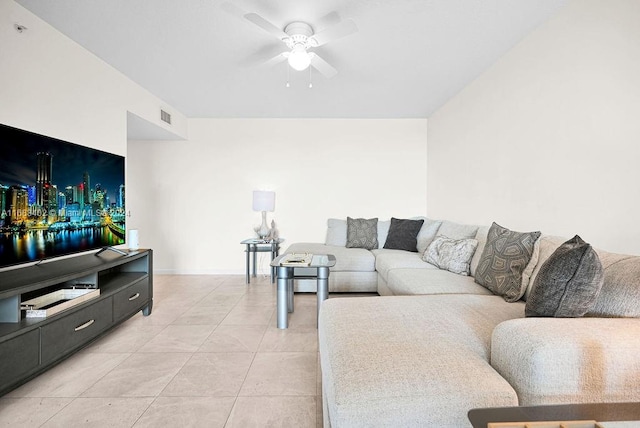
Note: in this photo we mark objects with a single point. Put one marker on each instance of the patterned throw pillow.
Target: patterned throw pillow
(453, 255)
(362, 233)
(568, 282)
(403, 234)
(504, 258)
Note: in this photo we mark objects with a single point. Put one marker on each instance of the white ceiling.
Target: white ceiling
(203, 58)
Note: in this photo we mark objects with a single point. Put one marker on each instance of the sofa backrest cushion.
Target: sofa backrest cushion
(383, 231)
(336, 232)
(568, 282)
(505, 257)
(620, 293)
(427, 233)
(457, 231)
(481, 237)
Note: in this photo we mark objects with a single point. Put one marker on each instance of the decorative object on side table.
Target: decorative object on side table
(263, 200)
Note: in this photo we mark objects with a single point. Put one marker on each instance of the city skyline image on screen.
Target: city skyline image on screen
(57, 197)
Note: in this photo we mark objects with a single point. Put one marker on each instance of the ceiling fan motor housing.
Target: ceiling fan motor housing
(299, 33)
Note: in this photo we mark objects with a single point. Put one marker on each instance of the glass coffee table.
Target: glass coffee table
(319, 266)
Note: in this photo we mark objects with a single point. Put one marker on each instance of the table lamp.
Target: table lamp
(264, 200)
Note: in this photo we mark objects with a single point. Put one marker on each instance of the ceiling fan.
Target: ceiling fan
(299, 38)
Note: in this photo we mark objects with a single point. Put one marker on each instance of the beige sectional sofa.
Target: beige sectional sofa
(437, 344)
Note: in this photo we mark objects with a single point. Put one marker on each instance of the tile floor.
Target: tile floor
(209, 355)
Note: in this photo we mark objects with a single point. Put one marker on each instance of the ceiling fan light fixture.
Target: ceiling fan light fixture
(299, 59)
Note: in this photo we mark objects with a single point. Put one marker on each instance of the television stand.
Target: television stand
(115, 250)
(31, 345)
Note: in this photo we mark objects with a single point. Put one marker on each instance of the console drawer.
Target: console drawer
(132, 298)
(19, 356)
(72, 331)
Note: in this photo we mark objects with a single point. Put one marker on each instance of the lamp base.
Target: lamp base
(263, 231)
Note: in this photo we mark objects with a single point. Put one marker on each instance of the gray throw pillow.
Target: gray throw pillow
(362, 233)
(403, 234)
(504, 258)
(568, 282)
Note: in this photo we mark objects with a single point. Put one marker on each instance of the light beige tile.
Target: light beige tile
(141, 375)
(258, 299)
(234, 338)
(100, 412)
(301, 339)
(249, 315)
(303, 316)
(281, 373)
(29, 412)
(282, 412)
(71, 377)
(163, 313)
(210, 374)
(179, 338)
(203, 315)
(129, 337)
(210, 412)
(225, 300)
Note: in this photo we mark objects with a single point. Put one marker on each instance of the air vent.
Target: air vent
(165, 117)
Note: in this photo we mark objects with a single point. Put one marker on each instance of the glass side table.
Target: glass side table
(256, 245)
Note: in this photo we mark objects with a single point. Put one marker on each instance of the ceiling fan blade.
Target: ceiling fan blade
(323, 66)
(342, 29)
(276, 59)
(266, 25)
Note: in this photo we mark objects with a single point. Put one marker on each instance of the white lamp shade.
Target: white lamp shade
(264, 200)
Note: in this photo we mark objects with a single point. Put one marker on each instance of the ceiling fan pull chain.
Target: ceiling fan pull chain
(287, 84)
(310, 84)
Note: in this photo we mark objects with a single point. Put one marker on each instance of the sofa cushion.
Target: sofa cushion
(505, 256)
(569, 360)
(347, 259)
(387, 260)
(410, 360)
(427, 233)
(336, 232)
(456, 230)
(362, 233)
(620, 293)
(453, 255)
(568, 282)
(405, 282)
(481, 237)
(383, 231)
(403, 234)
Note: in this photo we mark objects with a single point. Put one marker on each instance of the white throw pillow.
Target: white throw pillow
(453, 255)
(336, 232)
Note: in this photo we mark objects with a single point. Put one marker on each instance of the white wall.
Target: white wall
(192, 200)
(549, 137)
(52, 86)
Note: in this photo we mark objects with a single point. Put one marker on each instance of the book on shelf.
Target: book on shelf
(296, 259)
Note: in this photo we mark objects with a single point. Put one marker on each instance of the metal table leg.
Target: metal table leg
(285, 277)
(255, 254)
(248, 278)
(323, 287)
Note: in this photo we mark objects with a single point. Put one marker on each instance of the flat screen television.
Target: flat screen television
(57, 198)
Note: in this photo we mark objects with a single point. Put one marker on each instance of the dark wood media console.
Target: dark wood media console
(29, 346)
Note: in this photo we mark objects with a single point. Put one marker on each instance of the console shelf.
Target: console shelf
(29, 346)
